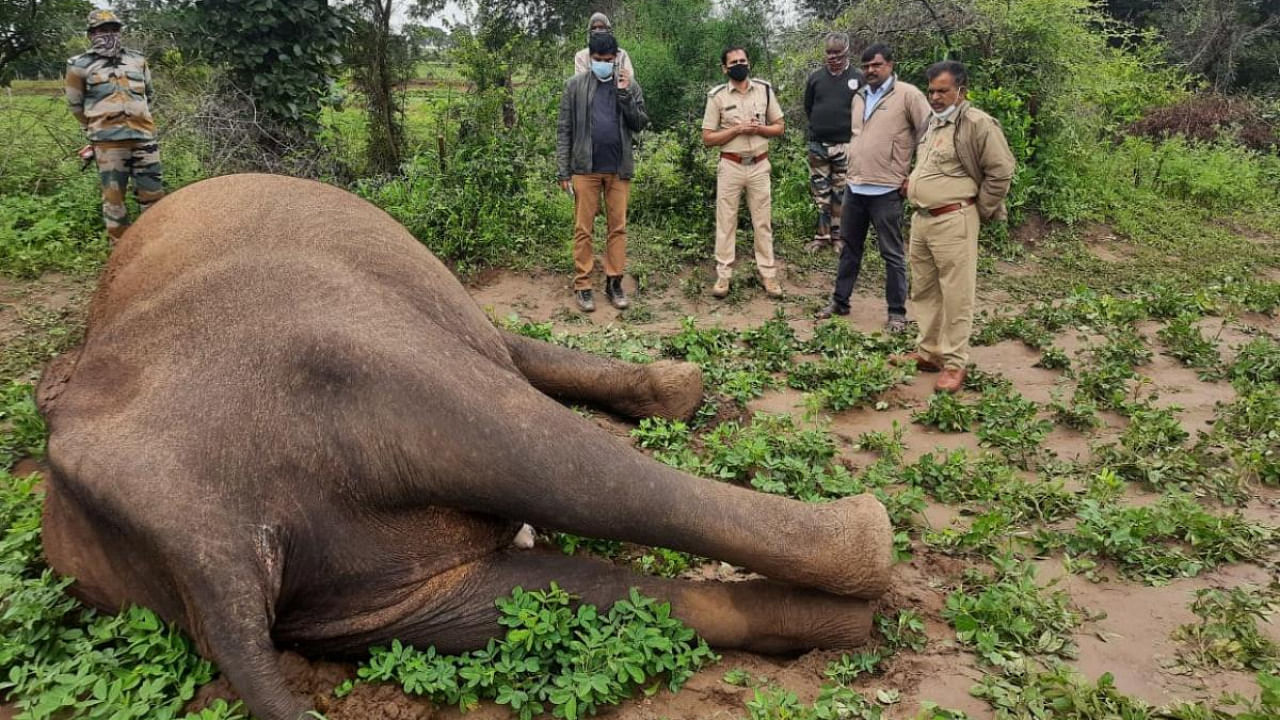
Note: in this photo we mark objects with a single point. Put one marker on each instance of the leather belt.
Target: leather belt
(744, 159)
(935, 212)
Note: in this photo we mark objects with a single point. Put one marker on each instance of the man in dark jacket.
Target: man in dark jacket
(599, 111)
(828, 97)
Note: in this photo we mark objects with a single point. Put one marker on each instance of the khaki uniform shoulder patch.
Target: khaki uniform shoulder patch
(717, 89)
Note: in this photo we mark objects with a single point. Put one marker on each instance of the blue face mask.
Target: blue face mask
(602, 68)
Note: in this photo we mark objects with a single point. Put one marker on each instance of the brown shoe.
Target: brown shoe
(922, 363)
(772, 287)
(721, 288)
(951, 380)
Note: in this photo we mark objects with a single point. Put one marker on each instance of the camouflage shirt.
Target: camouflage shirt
(111, 96)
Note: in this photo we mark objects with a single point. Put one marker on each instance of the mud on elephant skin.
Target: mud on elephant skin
(290, 427)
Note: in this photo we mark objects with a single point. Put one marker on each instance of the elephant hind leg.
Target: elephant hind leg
(663, 389)
(458, 614)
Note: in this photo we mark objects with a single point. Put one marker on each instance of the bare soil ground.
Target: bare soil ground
(1129, 635)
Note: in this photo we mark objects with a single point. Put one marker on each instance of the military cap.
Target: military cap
(102, 16)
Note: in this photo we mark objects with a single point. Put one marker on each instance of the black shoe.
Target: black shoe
(613, 291)
(585, 303)
(831, 309)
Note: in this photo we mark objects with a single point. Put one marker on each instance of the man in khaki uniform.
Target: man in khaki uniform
(740, 117)
(962, 175)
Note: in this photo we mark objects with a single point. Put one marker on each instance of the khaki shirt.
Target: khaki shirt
(727, 106)
(938, 178)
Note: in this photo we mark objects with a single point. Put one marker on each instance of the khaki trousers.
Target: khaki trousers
(943, 255)
(587, 190)
(731, 179)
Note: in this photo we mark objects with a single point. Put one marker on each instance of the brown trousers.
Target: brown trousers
(587, 190)
(943, 255)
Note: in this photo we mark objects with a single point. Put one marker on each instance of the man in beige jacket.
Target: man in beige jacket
(962, 175)
(889, 116)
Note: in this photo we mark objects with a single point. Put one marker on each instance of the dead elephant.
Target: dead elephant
(290, 426)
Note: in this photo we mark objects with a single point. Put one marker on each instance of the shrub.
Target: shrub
(1209, 118)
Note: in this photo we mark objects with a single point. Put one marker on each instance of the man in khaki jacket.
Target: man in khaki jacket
(740, 117)
(889, 116)
(962, 174)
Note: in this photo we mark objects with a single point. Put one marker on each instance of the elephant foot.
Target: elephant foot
(677, 389)
(856, 558)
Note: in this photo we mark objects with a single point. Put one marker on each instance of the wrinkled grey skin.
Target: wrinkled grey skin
(289, 427)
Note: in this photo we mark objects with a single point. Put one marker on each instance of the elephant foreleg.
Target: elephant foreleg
(458, 612)
(663, 389)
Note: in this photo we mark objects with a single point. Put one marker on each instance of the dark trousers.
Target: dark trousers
(859, 213)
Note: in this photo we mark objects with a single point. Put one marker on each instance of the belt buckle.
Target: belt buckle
(747, 160)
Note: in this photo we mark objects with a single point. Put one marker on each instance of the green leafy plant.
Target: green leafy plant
(1227, 635)
(1007, 615)
(835, 702)
(849, 666)
(1025, 692)
(889, 444)
(1184, 341)
(773, 455)
(552, 657)
(947, 413)
(1174, 537)
(1081, 413)
(1053, 358)
(1256, 363)
(903, 629)
(1010, 424)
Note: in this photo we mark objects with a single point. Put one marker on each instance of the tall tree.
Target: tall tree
(1214, 37)
(29, 26)
(382, 61)
(281, 52)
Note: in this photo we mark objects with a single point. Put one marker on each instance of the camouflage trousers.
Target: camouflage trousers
(828, 172)
(117, 163)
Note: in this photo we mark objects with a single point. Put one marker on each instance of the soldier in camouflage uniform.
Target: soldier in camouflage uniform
(109, 90)
(828, 98)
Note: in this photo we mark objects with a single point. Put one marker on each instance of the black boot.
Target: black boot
(585, 303)
(613, 291)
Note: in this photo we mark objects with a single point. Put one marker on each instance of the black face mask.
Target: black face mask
(739, 72)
